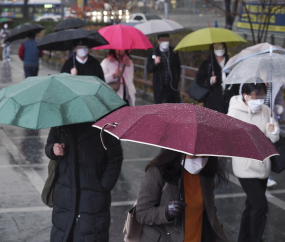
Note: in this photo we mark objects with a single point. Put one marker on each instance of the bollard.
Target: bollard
(272, 37)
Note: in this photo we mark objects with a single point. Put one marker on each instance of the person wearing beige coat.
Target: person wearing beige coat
(253, 174)
(152, 204)
(112, 67)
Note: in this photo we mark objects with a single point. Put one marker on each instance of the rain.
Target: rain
(142, 121)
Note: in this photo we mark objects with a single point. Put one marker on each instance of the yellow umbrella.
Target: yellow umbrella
(203, 38)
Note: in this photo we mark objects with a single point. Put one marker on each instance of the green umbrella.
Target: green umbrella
(203, 38)
(5, 20)
(55, 100)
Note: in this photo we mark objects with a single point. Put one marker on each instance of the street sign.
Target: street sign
(256, 15)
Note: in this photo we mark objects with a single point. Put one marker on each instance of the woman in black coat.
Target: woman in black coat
(87, 174)
(210, 76)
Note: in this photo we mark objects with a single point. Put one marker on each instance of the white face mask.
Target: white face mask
(194, 166)
(254, 105)
(82, 51)
(219, 52)
(164, 45)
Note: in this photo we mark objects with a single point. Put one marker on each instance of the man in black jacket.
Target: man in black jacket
(164, 63)
(87, 174)
(82, 63)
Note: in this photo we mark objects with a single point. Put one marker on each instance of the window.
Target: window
(150, 17)
(138, 18)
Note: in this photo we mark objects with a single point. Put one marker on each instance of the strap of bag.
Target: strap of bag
(164, 187)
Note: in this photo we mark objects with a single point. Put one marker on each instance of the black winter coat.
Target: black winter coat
(91, 67)
(216, 99)
(88, 173)
(163, 93)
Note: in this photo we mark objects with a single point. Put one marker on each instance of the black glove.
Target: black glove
(174, 208)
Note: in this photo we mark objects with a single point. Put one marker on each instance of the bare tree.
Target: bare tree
(230, 10)
(25, 9)
(268, 9)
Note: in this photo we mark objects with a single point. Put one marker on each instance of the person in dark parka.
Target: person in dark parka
(210, 76)
(164, 63)
(82, 63)
(87, 174)
(161, 208)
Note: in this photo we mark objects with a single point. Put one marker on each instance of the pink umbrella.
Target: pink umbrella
(124, 37)
(190, 129)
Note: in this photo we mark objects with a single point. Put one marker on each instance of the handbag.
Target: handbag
(53, 174)
(196, 92)
(278, 161)
(116, 85)
(133, 229)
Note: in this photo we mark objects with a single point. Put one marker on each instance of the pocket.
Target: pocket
(150, 234)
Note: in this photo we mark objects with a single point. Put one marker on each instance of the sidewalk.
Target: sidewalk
(23, 170)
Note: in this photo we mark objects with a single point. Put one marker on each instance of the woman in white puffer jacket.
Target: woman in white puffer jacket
(253, 174)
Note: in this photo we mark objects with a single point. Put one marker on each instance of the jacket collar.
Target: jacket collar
(89, 130)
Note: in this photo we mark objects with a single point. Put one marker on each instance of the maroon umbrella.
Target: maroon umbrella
(190, 129)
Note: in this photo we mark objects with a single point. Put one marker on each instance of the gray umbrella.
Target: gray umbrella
(70, 23)
(159, 26)
(21, 31)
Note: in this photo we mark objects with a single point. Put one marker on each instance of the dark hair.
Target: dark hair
(162, 35)
(248, 88)
(113, 53)
(31, 35)
(211, 50)
(170, 163)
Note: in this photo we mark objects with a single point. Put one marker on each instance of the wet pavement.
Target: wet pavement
(23, 170)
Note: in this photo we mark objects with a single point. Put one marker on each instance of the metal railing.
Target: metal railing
(186, 80)
(146, 81)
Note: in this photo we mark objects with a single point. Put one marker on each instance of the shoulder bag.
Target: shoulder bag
(133, 229)
(196, 92)
(53, 174)
(116, 85)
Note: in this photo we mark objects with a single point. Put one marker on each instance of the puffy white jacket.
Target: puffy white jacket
(247, 168)
(110, 65)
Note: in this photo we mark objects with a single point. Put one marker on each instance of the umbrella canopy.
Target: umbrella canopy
(5, 20)
(124, 37)
(269, 67)
(68, 39)
(190, 129)
(203, 38)
(22, 30)
(70, 23)
(159, 26)
(50, 101)
(250, 52)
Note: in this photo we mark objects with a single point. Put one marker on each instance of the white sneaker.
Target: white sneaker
(271, 182)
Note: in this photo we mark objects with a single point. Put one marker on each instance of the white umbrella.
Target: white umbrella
(159, 26)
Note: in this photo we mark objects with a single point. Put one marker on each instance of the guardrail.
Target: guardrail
(140, 68)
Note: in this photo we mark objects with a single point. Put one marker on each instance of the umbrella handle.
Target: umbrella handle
(180, 186)
(101, 133)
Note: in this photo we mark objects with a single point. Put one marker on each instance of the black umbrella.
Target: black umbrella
(22, 30)
(68, 39)
(70, 23)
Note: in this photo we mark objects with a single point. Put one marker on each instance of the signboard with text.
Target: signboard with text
(257, 15)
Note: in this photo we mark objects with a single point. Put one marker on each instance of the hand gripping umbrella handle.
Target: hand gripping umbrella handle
(102, 130)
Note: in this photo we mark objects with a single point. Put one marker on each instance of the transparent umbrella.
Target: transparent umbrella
(269, 67)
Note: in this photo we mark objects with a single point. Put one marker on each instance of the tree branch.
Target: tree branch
(250, 23)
